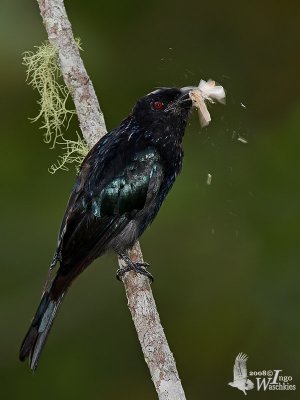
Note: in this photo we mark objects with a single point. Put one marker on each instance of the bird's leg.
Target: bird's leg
(139, 268)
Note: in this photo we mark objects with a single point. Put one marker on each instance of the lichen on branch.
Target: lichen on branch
(44, 75)
(75, 152)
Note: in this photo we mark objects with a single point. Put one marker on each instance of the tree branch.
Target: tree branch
(141, 303)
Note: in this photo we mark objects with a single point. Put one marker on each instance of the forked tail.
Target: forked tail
(40, 327)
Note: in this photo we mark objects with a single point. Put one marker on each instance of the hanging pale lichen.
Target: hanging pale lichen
(75, 152)
(43, 74)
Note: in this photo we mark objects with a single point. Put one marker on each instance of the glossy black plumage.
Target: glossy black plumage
(121, 185)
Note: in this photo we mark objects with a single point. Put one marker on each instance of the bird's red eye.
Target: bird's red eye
(158, 105)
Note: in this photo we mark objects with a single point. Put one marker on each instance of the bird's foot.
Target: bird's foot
(139, 268)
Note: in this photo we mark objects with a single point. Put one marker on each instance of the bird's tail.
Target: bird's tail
(39, 329)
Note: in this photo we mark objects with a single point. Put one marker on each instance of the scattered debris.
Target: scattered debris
(243, 140)
(209, 178)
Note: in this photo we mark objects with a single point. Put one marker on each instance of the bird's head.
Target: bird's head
(164, 106)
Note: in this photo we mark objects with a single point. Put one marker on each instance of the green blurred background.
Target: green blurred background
(225, 256)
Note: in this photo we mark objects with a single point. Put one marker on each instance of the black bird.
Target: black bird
(122, 183)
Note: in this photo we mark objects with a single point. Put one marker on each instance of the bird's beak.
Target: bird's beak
(183, 102)
(184, 96)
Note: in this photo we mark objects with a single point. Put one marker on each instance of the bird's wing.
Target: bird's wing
(104, 200)
(240, 367)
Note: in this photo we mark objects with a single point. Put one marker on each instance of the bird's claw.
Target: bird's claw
(139, 268)
(142, 265)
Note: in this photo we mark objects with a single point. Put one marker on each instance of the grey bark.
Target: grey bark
(141, 302)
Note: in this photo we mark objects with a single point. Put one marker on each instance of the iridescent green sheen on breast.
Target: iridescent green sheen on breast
(128, 191)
